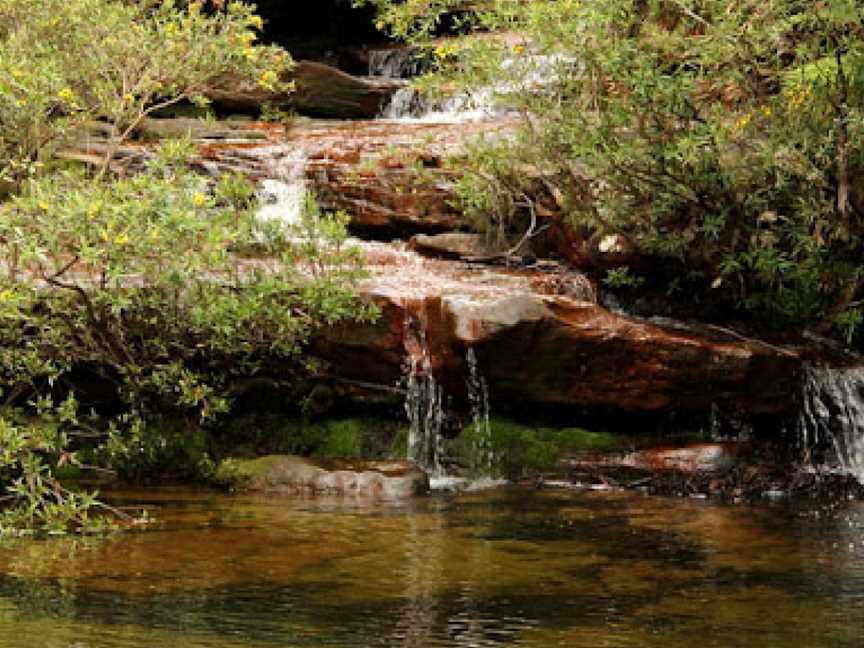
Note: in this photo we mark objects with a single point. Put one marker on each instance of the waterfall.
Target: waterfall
(423, 401)
(478, 398)
(521, 74)
(425, 409)
(832, 417)
(283, 195)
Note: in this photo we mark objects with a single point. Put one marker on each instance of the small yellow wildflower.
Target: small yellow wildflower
(104, 235)
(257, 22)
(199, 199)
(741, 123)
(21, 103)
(122, 238)
(268, 79)
(44, 206)
(766, 110)
(519, 48)
(250, 53)
(66, 95)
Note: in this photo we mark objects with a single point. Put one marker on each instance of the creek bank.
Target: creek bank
(729, 472)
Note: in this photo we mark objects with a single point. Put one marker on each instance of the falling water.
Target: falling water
(423, 402)
(521, 74)
(832, 417)
(283, 195)
(478, 397)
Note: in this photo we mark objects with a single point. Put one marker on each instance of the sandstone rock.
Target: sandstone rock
(452, 245)
(545, 349)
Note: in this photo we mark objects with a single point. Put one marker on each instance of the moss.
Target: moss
(233, 471)
(519, 450)
(257, 434)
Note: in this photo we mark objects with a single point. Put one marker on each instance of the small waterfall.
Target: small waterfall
(527, 73)
(283, 196)
(478, 398)
(423, 401)
(831, 421)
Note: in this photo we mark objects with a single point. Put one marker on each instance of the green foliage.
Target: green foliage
(32, 500)
(135, 281)
(725, 138)
(519, 451)
(135, 278)
(64, 62)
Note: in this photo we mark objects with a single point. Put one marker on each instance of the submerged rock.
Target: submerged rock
(291, 475)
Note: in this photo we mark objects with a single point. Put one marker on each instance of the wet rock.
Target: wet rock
(553, 349)
(291, 475)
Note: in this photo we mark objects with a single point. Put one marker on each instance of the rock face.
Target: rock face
(290, 475)
(541, 340)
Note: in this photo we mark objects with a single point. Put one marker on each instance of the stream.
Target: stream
(504, 567)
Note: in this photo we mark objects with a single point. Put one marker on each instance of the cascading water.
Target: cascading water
(521, 74)
(478, 398)
(423, 402)
(425, 409)
(283, 195)
(832, 417)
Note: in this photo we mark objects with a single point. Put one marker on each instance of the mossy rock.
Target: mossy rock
(292, 475)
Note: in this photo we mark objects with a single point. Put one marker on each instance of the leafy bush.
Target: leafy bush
(65, 62)
(723, 138)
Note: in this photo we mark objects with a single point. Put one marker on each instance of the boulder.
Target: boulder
(453, 245)
(319, 90)
(291, 475)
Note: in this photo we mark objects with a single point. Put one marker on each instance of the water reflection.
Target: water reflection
(507, 568)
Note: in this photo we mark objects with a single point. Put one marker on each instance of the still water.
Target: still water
(500, 568)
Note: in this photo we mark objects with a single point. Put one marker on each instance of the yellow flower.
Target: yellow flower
(7, 295)
(518, 48)
(104, 234)
(741, 123)
(250, 53)
(268, 79)
(21, 103)
(17, 74)
(122, 238)
(44, 206)
(766, 110)
(170, 28)
(199, 199)
(66, 95)
(257, 22)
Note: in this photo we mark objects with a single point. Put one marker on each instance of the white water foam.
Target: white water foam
(523, 74)
(283, 196)
(832, 417)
